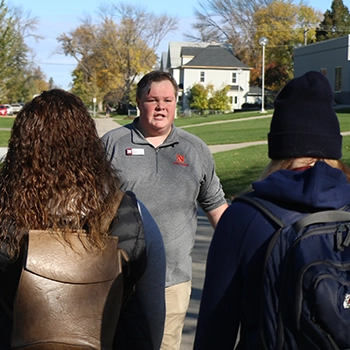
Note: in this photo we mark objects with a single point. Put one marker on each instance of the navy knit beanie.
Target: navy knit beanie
(304, 123)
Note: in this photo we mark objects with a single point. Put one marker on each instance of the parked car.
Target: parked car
(9, 109)
(3, 110)
(16, 107)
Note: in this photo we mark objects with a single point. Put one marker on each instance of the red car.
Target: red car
(3, 110)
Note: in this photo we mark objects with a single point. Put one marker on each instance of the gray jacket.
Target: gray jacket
(169, 180)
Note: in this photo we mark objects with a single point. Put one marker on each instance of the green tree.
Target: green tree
(16, 70)
(203, 98)
(336, 22)
(198, 97)
(8, 44)
(219, 100)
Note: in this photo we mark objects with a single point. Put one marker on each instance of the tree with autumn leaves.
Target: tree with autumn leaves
(114, 52)
(242, 23)
(111, 54)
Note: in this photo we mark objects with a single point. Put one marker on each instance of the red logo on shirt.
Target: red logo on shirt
(180, 160)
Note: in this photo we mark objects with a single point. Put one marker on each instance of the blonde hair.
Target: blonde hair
(280, 164)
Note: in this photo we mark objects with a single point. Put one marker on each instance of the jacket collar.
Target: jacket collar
(138, 138)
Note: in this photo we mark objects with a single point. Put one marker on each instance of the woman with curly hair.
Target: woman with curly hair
(56, 178)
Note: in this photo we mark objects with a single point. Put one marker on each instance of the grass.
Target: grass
(6, 122)
(236, 131)
(232, 132)
(4, 138)
(237, 169)
(195, 120)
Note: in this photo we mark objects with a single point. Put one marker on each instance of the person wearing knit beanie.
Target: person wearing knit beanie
(304, 123)
(250, 300)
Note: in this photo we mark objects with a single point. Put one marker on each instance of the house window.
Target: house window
(337, 85)
(230, 99)
(236, 99)
(234, 78)
(202, 79)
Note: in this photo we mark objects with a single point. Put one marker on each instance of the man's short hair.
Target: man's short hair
(144, 84)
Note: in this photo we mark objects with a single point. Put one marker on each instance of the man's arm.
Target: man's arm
(214, 215)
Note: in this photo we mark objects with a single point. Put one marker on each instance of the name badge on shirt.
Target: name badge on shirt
(135, 152)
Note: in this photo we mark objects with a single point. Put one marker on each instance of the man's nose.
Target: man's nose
(160, 105)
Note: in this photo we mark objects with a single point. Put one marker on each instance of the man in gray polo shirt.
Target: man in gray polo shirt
(169, 170)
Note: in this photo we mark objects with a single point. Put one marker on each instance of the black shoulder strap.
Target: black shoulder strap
(6, 307)
(258, 204)
(322, 216)
(306, 220)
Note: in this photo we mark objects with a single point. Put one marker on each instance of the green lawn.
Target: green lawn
(237, 169)
(232, 132)
(245, 131)
(194, 120)
(6, 122)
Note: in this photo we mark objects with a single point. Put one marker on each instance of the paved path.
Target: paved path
(105, 124)
(199, 257)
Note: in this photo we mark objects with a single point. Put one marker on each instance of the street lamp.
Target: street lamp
(239, 71)
(94, 101)
(263, 42)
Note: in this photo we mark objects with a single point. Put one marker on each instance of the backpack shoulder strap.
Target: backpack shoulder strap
(262, 207)
(322, 216)
(6, 307)
(109, 215)
(128, 226)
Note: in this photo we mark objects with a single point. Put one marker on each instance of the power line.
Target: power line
(57, 64)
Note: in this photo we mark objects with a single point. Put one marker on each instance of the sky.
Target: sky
(56, 18)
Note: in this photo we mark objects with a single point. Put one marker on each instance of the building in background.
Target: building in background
(332, 58)
(208, 63)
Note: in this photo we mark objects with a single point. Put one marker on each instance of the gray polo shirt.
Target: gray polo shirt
(169, 180)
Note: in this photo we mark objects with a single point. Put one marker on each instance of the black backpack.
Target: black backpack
(306, 279)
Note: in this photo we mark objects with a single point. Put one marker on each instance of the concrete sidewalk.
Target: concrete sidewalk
(104, 125)
(199, 257)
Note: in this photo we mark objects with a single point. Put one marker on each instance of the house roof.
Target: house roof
(174, 51)
(212, 56)
(255, 90)
(190, 51)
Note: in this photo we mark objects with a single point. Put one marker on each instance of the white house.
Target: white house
(332, 58)
(207, 63)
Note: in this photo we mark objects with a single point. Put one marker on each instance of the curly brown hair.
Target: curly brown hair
(56, 175)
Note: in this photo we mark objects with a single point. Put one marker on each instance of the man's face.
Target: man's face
(157, 108)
